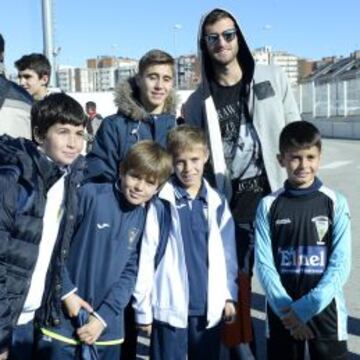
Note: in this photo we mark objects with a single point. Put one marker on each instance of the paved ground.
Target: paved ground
(340, 170)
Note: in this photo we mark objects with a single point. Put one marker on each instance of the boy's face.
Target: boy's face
(189, 167)
(32, 83)
(155, 85)
(138, 189)
(91, 111)
(301, 165)
(63, 143)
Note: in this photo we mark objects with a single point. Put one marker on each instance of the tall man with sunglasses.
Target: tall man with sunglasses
(243, 107)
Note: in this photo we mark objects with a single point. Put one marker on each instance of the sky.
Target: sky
(85, 28)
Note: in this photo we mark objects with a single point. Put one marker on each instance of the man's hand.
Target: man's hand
(73, 303)
(4, 355)
(229, 312)
(91, 331)
(146, 328)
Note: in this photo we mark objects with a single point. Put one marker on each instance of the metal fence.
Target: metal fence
(340, 98)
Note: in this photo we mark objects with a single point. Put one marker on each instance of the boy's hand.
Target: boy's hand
(91, 331)
(146, 328)
(73, 303)
(302, 333)
(290, 319)
(4, 355)
(229, 312)
(298, 330)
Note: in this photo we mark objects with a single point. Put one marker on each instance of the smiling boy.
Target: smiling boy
(146, 110)
(37, 197)
(302, 254)
(102, 264)
(182, 296)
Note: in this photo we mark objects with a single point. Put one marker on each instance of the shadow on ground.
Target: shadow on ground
(258, 303)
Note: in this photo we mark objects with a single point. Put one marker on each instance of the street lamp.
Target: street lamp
(56, 53)
(176, 28)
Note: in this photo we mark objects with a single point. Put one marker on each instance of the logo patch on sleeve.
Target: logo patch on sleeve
(264, 90)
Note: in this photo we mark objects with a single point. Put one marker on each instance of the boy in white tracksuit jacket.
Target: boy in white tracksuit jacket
(187, 273)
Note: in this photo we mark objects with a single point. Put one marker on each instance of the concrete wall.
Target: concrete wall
(337, 127)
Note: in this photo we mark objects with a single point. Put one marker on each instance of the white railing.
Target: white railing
(340, 98)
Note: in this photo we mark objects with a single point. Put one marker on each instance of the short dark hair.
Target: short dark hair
(156, 57)
(216, 15)
(54, 109)
(299, 134)
(148, 159)
(36, 62)
(2, 44)
(185, 137)
(90, 104)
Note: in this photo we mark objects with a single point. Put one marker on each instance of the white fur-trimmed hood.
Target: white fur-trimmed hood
(128, 104)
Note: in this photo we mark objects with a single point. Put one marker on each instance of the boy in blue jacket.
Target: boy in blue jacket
(38, 181)
(146, 111)
(302, 252)
(187, 275)
(102, 264)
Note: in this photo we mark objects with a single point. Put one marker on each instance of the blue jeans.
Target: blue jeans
(22, 342)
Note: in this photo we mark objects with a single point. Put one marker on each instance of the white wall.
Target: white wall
(105, 100)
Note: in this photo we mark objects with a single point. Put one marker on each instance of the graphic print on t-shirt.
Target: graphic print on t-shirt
(240, 143)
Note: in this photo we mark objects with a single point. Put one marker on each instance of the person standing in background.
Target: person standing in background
(93, 122)
(34, 72)
(15, 104)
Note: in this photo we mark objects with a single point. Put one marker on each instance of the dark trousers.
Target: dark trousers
(286, 348)
(22, 342)
(51, 349)
(196, 342)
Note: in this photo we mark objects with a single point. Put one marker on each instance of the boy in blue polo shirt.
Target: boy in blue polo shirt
(187, 275)
(102, 263)
(302, 252)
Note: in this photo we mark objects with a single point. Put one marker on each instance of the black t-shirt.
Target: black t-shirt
(242, 149)
(240, 141)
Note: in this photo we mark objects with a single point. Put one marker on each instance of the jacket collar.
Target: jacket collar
(168, 193)
(32, 163)
(128, 103)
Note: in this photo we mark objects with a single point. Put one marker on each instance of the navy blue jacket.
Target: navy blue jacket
(119, 132)
(103, 257)
(25, 177)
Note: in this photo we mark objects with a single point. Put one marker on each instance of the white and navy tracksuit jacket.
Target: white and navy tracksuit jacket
(162, 291)
(303, 255)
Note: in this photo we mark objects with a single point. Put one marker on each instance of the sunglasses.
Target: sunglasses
(227, 35)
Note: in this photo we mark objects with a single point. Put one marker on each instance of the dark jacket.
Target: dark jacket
(15, 105)
(120, 131)
(102, 262)
(25, 177)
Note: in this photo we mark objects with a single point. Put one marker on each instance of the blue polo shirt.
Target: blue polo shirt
(194, 230)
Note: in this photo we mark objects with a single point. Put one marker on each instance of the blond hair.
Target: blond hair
(148, 159)
(185, 137)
